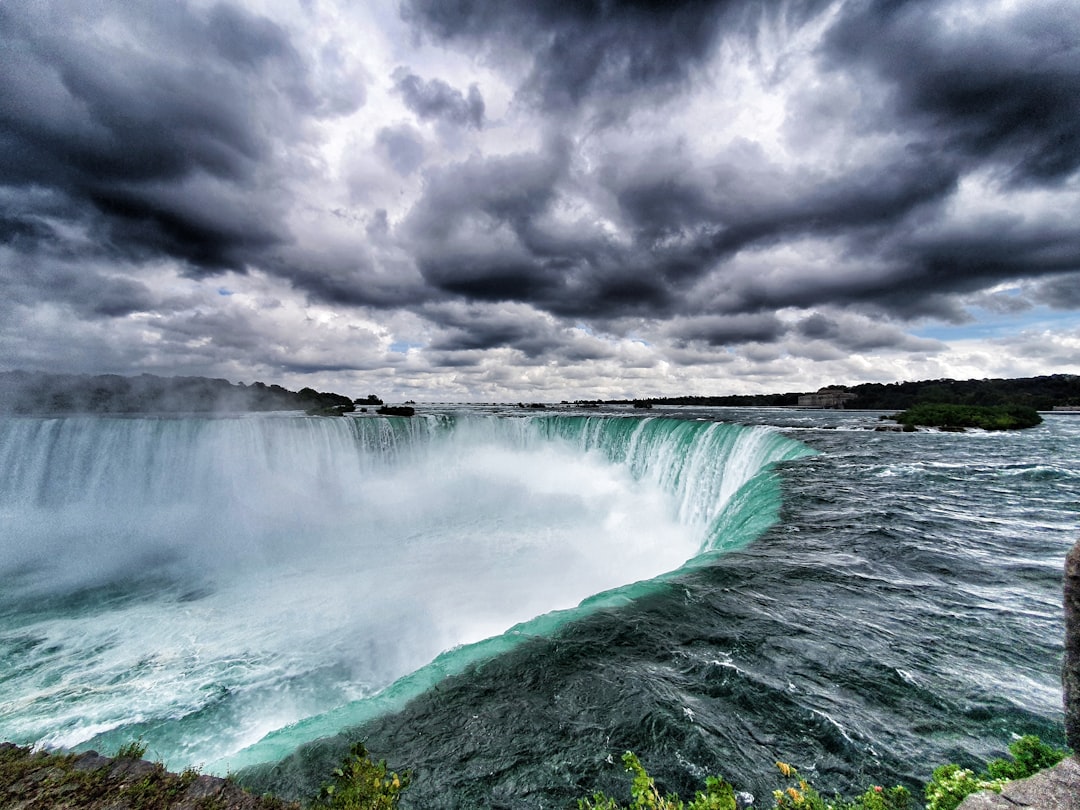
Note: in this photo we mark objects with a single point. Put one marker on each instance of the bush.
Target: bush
(1030, 755)
(362, 784)
(948, 787)
(804, 796)
(718, 794)
(951, 783)
(131, 750)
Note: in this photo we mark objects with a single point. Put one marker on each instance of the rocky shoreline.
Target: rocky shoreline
(41, 780)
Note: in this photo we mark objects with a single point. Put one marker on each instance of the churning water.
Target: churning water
(506, 603)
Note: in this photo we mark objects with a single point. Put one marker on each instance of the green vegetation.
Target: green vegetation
(1041, 393)
(995, 417)
(951, 783)
(131, 750)
(363, 784)
(23, 392)
(54, 781)
(718, 794)
(801, 794)
(948, 787)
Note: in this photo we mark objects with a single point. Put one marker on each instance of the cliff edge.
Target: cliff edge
(49, 781)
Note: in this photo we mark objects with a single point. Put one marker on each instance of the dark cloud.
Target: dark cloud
(493, 333)
(436, 100)
(1003, 90)
(818, 327)
(932, 265)
(152, 135)
(926, 159)
(848, 334)
(475, 234)
(482, 230)
(482, 327)
(207, 229)
(600, 49)
(729, 330)
(1059, 292)
(80, 287)
(691, 218)
(20, 230)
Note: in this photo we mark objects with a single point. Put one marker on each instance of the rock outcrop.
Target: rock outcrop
(34, 780)
(1056, 788)
(1070, 675)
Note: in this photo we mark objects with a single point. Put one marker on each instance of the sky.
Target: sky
(486, 200)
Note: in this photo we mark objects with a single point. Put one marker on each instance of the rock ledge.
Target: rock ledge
(1056, 788)
(52, 781)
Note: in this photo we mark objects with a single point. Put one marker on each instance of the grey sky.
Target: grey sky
(495, 200)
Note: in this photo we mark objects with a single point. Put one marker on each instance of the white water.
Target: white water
(203, 582)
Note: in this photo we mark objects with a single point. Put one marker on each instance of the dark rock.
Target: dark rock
(396, 410)
(205, 786)
(91, 761)
(130, 770)
(1070, 675)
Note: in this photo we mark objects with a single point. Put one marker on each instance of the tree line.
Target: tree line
(1041, 393)
(23, 392)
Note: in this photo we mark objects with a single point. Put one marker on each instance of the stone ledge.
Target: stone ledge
(1056, 788)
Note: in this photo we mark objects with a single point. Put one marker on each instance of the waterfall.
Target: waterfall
(205, 582)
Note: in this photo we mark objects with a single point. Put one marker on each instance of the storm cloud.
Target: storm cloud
(476, 198)
(435, 99)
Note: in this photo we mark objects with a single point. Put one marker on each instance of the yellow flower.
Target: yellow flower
(785, 769)
(795, 795)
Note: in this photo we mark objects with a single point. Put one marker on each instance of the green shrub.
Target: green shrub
(951, 783)
(802, 795)
(1029, 756)
(948, 787)
(131, 750)
(362, 784)
(719, 795)
(644, 795)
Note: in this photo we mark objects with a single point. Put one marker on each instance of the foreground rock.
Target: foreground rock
(49, 781)
(1070, 674)
(1056, 788)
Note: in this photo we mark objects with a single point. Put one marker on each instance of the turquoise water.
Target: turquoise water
(904, 611)
(505, 603)
(205, 583)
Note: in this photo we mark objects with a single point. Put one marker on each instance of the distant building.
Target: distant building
(826, 398)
